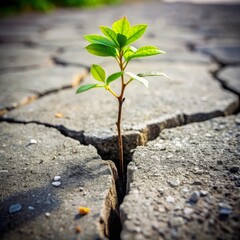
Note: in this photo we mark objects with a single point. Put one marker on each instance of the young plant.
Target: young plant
(116, 44)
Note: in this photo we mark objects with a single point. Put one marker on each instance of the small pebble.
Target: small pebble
(78, 229)
(203, 193)
(194, 197)
(15, 208)
(56, 178)
(170, 199)
(174, 182)
(224, 209)
(33, 141)
(188, 211)
(56, 183)
(30, 208)
(169, 156)
(219, 128)
(208, 135)
(199, 171)
(234, 169)
(162, 148)
(237, 121)
(185, 190)
(47, 214)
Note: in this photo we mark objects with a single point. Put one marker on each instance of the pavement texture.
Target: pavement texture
(59, 150)
(186, 183)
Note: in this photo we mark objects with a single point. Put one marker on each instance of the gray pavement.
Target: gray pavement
(185, 184)
(45, 127)
(31, 157)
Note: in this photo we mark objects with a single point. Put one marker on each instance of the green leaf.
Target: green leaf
(98, 73)
(145, 52)
(109, 33)
(88, 87)
(122, 39)
(129, 51)
(149, 74)
(136, 32)
(121, 26)
(113, 77)
(101, 50)
(140, 79)
(100, 40)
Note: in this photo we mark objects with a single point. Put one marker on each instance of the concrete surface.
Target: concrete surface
(36, 82)
(185, 184)
(31, 156)
(230, 76)
(190, 95)
(175, 183)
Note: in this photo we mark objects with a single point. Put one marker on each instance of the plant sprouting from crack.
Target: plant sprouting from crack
(116, 44)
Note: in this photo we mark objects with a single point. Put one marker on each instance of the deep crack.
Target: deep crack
(223, 83)
(58, 61)
(36, 95)
(131, 138)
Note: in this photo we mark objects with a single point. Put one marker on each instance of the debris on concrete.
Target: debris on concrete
(15, 208)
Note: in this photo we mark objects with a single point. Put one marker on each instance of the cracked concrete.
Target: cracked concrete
(191, 95)
(80, 168)
(230, 77)
(166, 172)
(15, 56)
(43, 57)
(34, 83)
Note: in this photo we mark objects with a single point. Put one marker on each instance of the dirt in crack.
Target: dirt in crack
(109, 150)
(114, 221)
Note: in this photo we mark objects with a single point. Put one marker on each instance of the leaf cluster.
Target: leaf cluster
(116, 43)
(116, 40)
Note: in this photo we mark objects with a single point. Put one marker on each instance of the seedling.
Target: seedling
(116, 44)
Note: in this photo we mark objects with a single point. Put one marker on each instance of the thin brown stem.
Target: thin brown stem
(120, 103)
(120, 142)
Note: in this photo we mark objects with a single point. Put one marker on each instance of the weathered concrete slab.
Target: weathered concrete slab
(224, 55)
(31, 156)
(17, 56)
(19, 88)
(190, 95)
(185, 184)
(230, 76)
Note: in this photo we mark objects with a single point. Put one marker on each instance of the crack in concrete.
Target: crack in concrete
(59, 62)
(132, 137)
(109, 223)
(215, 72)
(36, 95)
(215, 75)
